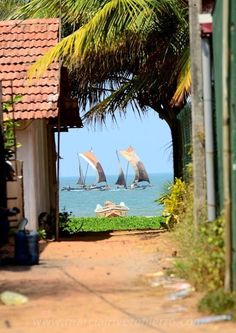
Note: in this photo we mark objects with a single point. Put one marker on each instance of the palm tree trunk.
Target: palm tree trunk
(177, 149)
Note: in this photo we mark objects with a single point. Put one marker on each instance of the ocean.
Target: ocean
(140, 201)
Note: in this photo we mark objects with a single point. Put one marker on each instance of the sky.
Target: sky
(149, 136)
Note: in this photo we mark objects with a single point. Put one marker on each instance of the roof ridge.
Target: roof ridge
(30, 21)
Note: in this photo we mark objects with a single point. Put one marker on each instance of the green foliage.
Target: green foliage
(203, 253)
(133, 47)
(68, 224)
(202, 247)
(174, 202)
(42, 233)
(72, 225)
(7, 7)
(64, 217)
(9, 136)
(218, 302)
(9, 125)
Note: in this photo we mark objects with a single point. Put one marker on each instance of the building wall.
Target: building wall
(15, 194)
(34, 153)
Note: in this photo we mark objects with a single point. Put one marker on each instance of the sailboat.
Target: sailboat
(81, 179)
(141, 174)
(91, 159)
(121, 181)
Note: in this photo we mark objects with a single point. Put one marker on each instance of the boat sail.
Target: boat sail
(91, 159)
(81, 180)
(121, 181)
(141, 174)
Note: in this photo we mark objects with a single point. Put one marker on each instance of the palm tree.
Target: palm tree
(123, 52)
(7, 7)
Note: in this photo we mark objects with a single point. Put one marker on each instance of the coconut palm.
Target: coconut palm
(123, 52)
(153, 29)
(7, 7)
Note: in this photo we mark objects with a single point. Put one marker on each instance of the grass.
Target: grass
(202, 254)
(74, 225)
(218, 302)
(201, 249)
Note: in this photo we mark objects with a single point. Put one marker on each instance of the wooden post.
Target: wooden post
(198, 136)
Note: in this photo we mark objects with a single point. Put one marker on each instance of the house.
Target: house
(43, 109)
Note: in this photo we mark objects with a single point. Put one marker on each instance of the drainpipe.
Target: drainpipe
(226, 146)
(205, 21)
(208, 122)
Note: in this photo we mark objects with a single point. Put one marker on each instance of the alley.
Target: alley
(103, 283)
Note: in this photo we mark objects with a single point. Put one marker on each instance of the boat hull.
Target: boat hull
(111, 210)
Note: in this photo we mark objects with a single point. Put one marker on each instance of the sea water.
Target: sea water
(141, 202)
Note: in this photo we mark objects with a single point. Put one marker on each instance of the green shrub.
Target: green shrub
(202, 252)
(218, 302)
(42, 234)
(174, 202)
(72, 225)
(201, 248)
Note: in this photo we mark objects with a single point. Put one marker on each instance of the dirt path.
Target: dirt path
(105, 284)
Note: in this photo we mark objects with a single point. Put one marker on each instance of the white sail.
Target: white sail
(89, 157)
(121, 181)
(81, 180)
(140, 172)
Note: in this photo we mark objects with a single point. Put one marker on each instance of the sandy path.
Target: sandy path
(102, 284)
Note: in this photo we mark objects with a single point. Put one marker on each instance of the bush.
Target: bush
(203, 253)
(42, 234)
(72, 225)
(174, 202)
(201, 248)
(218, 302)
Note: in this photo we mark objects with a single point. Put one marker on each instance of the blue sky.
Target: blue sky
(149, 136)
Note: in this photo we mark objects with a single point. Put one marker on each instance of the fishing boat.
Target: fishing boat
(110, 209)
(81, 179)
(121, 180)
(92, 160)
(101, 182)
(141, 178)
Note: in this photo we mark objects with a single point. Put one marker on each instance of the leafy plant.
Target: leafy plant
(201, 248)
(64, 217)
(72, 225)
(42, 234)
(9, 125)
(218, 302)
(174, 202)
(202, 252)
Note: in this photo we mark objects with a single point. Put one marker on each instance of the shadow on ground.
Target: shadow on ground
(86, 236)
(7, 257)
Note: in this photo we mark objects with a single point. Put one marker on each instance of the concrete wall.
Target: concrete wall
(34, 153)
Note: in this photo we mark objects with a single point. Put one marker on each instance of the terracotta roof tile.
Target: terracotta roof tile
(21, 43)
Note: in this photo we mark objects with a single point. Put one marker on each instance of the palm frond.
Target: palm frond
(183, 87)
(133, 48)
(7, 7)
(70, 11)
(105, 29)
(116, 104)
(183, 79)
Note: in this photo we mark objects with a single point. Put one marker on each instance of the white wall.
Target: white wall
(15, 194)
(33, 152)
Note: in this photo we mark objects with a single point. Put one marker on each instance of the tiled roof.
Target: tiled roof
(21, 43)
